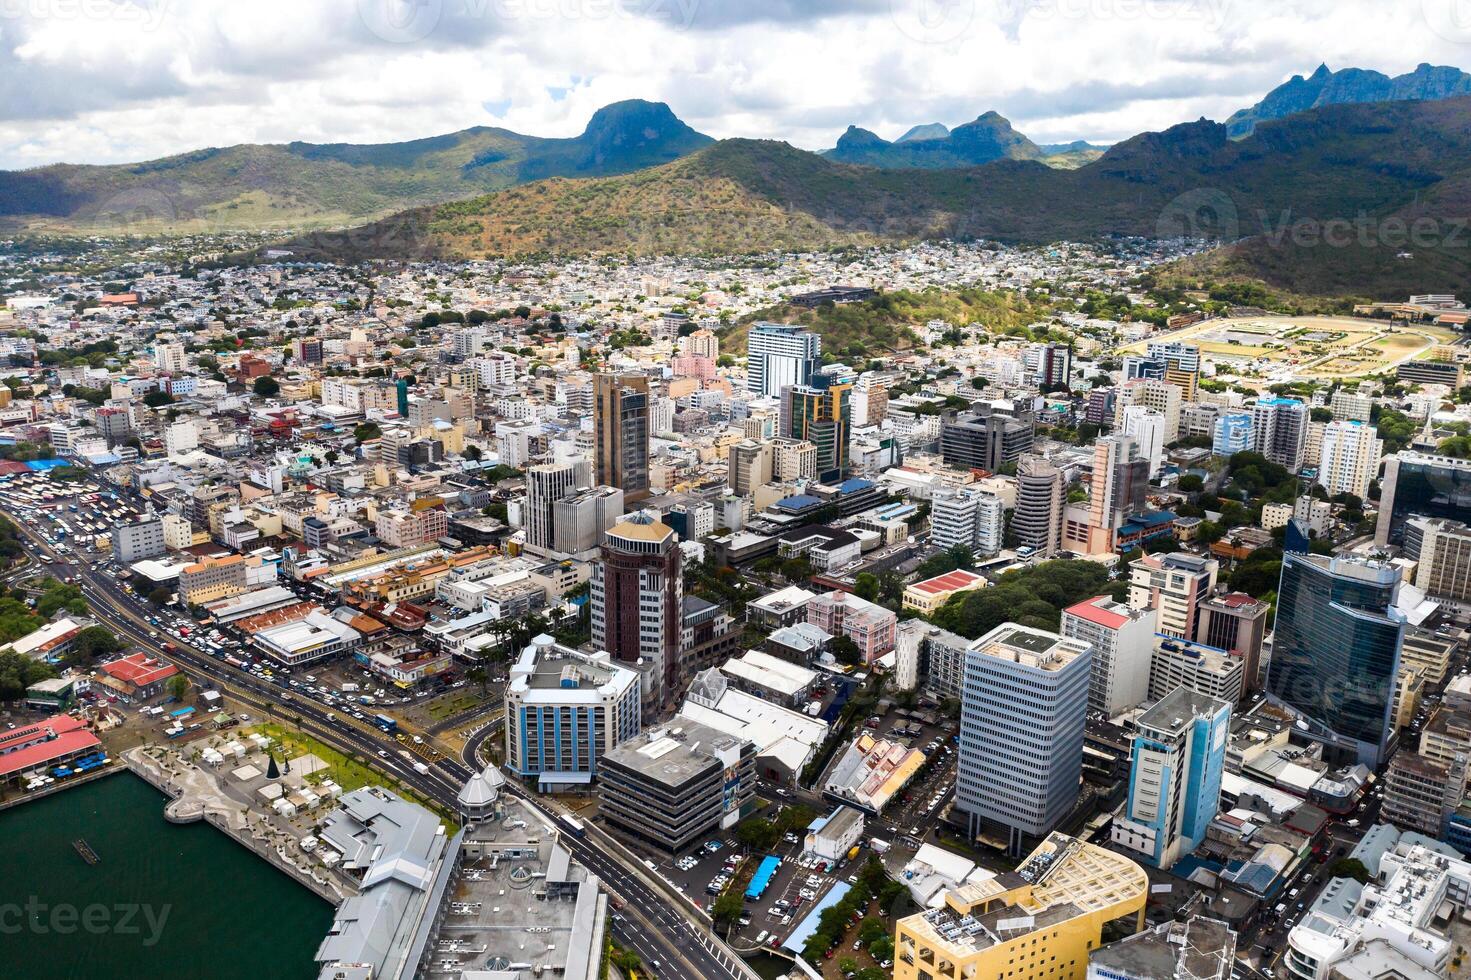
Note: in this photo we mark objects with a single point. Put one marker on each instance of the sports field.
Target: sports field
(1308, 346)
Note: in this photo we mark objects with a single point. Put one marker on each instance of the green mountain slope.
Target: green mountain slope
(297, 185)
(1386, 162)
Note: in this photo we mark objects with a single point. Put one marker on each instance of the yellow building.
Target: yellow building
(1039, 922)
(927, 596)
(215, 578)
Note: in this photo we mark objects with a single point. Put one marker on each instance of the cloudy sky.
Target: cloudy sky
(106, 81)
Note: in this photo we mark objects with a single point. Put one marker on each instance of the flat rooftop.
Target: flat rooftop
(672, 754)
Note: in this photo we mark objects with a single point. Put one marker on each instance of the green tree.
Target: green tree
(728, 908)
(91, 643)
(866, 586)
(266, 386)
(796, 569)
(844, 650)
(158, 398)
(18, 672)
(178, 686)
(160, 596)
(1349, 867)
(757, 834)
(366, 432)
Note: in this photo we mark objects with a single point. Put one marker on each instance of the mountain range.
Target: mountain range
(934, 146)
(1348, 86)
(297, 185)
(1338, 146)
(1383, 165)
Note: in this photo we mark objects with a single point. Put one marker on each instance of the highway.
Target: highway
(649, 923)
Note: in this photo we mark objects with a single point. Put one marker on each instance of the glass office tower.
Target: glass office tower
(1423, 485)
(1336, 651)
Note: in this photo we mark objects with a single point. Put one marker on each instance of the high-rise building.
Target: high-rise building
(568, 709)
(1050, 365)
(637, 597)
(1336, 651)
(971, 518)
(779, 355)
(114, 425)
(1232, 434)
(307, 350)
(621, 431)
(1147, 428)
(1122, 639)
(986, 438)
(1442, 550)
(1421, 484)
(546, 484)
(1024, 704)
(1349, 457)
(1178, 758)
(1349, 405)
(579, 520)
(1182, 365)
(138, 540)
(1175, 585)
(701, 343)
(821, 413)
(1279, 431)
(1040, 922)
(1163, 397)
(749, 466)
(1204, 670)
(1236, 623)
(170, 358)
(1117, 489)
(793, 459)
(1036, 521)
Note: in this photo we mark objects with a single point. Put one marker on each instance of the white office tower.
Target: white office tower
(1024, 704)
(1123, 648)
(1147, 428)
(1279, 431)
(779, 355)
(967, 517)
(1349, 458)
(1349, 405)
(545, 486)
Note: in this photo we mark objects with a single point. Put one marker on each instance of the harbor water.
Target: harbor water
(163, 900)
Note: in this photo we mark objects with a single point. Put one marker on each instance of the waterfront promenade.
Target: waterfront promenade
(198, 794)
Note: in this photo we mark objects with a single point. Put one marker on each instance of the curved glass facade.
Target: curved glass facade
(1428, 486)
(1336, 649)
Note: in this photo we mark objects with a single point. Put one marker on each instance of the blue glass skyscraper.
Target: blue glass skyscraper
(1336, 651)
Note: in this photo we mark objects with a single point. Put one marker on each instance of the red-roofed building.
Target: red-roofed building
(138, 675)
(44, 743)
(119, 299)
(1123, 648)
(927, 596)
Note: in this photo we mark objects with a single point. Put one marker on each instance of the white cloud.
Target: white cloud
(122, 80)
